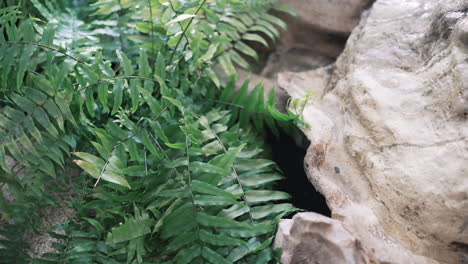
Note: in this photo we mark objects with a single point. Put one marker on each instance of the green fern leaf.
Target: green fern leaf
(216, 221)
(187, 255)
(213, 257)
(220, 240)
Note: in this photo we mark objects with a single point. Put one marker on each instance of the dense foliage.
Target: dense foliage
(170, 161)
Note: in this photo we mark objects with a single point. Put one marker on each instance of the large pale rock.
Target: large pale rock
(389, 147)
(313, 238)
(337, 16)
(315, 39)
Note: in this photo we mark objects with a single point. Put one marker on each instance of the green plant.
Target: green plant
(173, 170)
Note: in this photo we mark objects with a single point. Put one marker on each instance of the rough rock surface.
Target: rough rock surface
(389, 146)
(337, 16)
(42, 243)
(313, 238)
(315, 39)
(295, 60)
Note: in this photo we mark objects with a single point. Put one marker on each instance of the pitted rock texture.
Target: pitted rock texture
(389, 137)
(314, 238)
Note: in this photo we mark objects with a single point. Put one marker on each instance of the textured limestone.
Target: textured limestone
(338, 16)
(391, 115)
(314, 238)
(317, 37)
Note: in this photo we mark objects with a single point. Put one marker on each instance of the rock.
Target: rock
(337, 16)
(42, 242)
(295, 60)
(315, 39)
(303, 47)
(313, 238)
(389, 147)
(319, 35)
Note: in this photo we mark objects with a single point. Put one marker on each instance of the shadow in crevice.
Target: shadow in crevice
(289, 152)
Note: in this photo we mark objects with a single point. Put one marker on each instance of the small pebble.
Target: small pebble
(337, 170)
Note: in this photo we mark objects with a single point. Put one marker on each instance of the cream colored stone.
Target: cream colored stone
(339, 16)
(313, 238)
(392, 116)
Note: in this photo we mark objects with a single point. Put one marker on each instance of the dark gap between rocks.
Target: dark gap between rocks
(302, 47)
(290, 158)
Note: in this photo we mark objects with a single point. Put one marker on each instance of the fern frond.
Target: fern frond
(253, 107)
(167, 176)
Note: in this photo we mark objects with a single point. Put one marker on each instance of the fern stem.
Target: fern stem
(13, 180)
(168, 159)
(152, 29)
(263, 113)
(146, 164)
(189, 175)
(46, 47)
(115, 78)
(235, 173)
(234, 43)
(227, 103)
(180, 23)
(18, 123)
(119, 15)
(141, 129)
(124, 140)
(190, 185)
(188, 168)
(103, 169)
(185, 30)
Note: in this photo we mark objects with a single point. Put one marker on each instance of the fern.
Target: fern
(259, 109)
(197, 207)
(216, 31)
(172, 172)
(77, 37)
